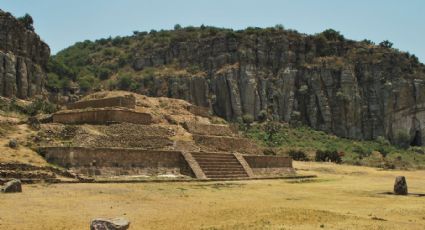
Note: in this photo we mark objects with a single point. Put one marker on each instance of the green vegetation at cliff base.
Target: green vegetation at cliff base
(304, 142)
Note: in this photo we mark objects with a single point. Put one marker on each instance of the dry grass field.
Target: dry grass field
(342, 197)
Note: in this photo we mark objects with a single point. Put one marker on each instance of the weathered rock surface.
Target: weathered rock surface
(400, 186)
(109, 224)
(352, 89)
(12, 186)
(23, 59)
(344, 87)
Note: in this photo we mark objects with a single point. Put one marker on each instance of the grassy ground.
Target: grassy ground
(21, 154)
(379, 153)
(342, 197)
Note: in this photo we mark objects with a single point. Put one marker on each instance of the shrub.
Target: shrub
(386, 44)
(269, 152)
(328, 155)
(248, 119)
(56, 83)
(27, 21)
(87, 82)
(38, 106)
(272, 128)
(368, 42)
(333, 35)
(103, 73)
(383, 150)
(126, 82)
(361, 151)
(402, 140)
(279, 27)
(382, 140)
(177, 27)
(298, 155)
(262, 116)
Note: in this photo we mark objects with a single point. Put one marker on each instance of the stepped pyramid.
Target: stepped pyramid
(118, 134)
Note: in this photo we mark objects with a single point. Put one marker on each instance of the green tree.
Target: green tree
(386, 44)
(87, 82)
(333, 35)
(27, 21)
(279, 27)
(125, 82)
(177, 27)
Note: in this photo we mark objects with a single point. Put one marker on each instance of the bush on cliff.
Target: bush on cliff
(248, 119)
(27, 21)
(333, 35)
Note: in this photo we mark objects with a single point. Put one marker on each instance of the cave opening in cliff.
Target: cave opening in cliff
(417, 140)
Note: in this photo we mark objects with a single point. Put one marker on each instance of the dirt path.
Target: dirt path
(343, 197)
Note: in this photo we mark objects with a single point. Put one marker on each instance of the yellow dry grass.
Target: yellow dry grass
(342, 197)
(22, 154)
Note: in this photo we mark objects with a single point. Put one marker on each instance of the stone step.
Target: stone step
(228, 176)
(211, 154)
(25, 174)
(215, 157)
(213, 163)
(226, 171)
(208, 167)
(220, 165)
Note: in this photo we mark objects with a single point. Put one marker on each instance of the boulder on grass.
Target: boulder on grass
(400, 186)
(12, 186)
(109, 224)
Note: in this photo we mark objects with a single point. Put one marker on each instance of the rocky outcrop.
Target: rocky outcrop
(23, 59)
(352, 89)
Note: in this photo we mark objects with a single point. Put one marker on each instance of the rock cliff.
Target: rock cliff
(23, 59)
(352, 89)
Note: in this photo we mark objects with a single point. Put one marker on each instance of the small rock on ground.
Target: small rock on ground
(109, 224)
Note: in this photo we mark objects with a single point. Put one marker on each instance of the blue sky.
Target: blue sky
(62, 23)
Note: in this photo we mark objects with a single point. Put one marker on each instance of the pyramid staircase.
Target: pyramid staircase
(218, 152)
(220, 165)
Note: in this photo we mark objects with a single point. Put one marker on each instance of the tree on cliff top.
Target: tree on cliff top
(27, 21)
(386, 44)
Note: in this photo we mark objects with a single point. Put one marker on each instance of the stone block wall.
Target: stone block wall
(128, 141)
(207, 129)
(128, 101)
(269, 165)
(102, 116)
(199, 110)
(117, 161)
(226, 144)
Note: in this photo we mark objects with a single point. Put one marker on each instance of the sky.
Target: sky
(61, 23)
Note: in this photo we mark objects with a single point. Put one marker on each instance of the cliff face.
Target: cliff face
(23, 59)
(352, 89)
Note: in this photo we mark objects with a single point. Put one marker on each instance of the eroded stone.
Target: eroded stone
(109, 224)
